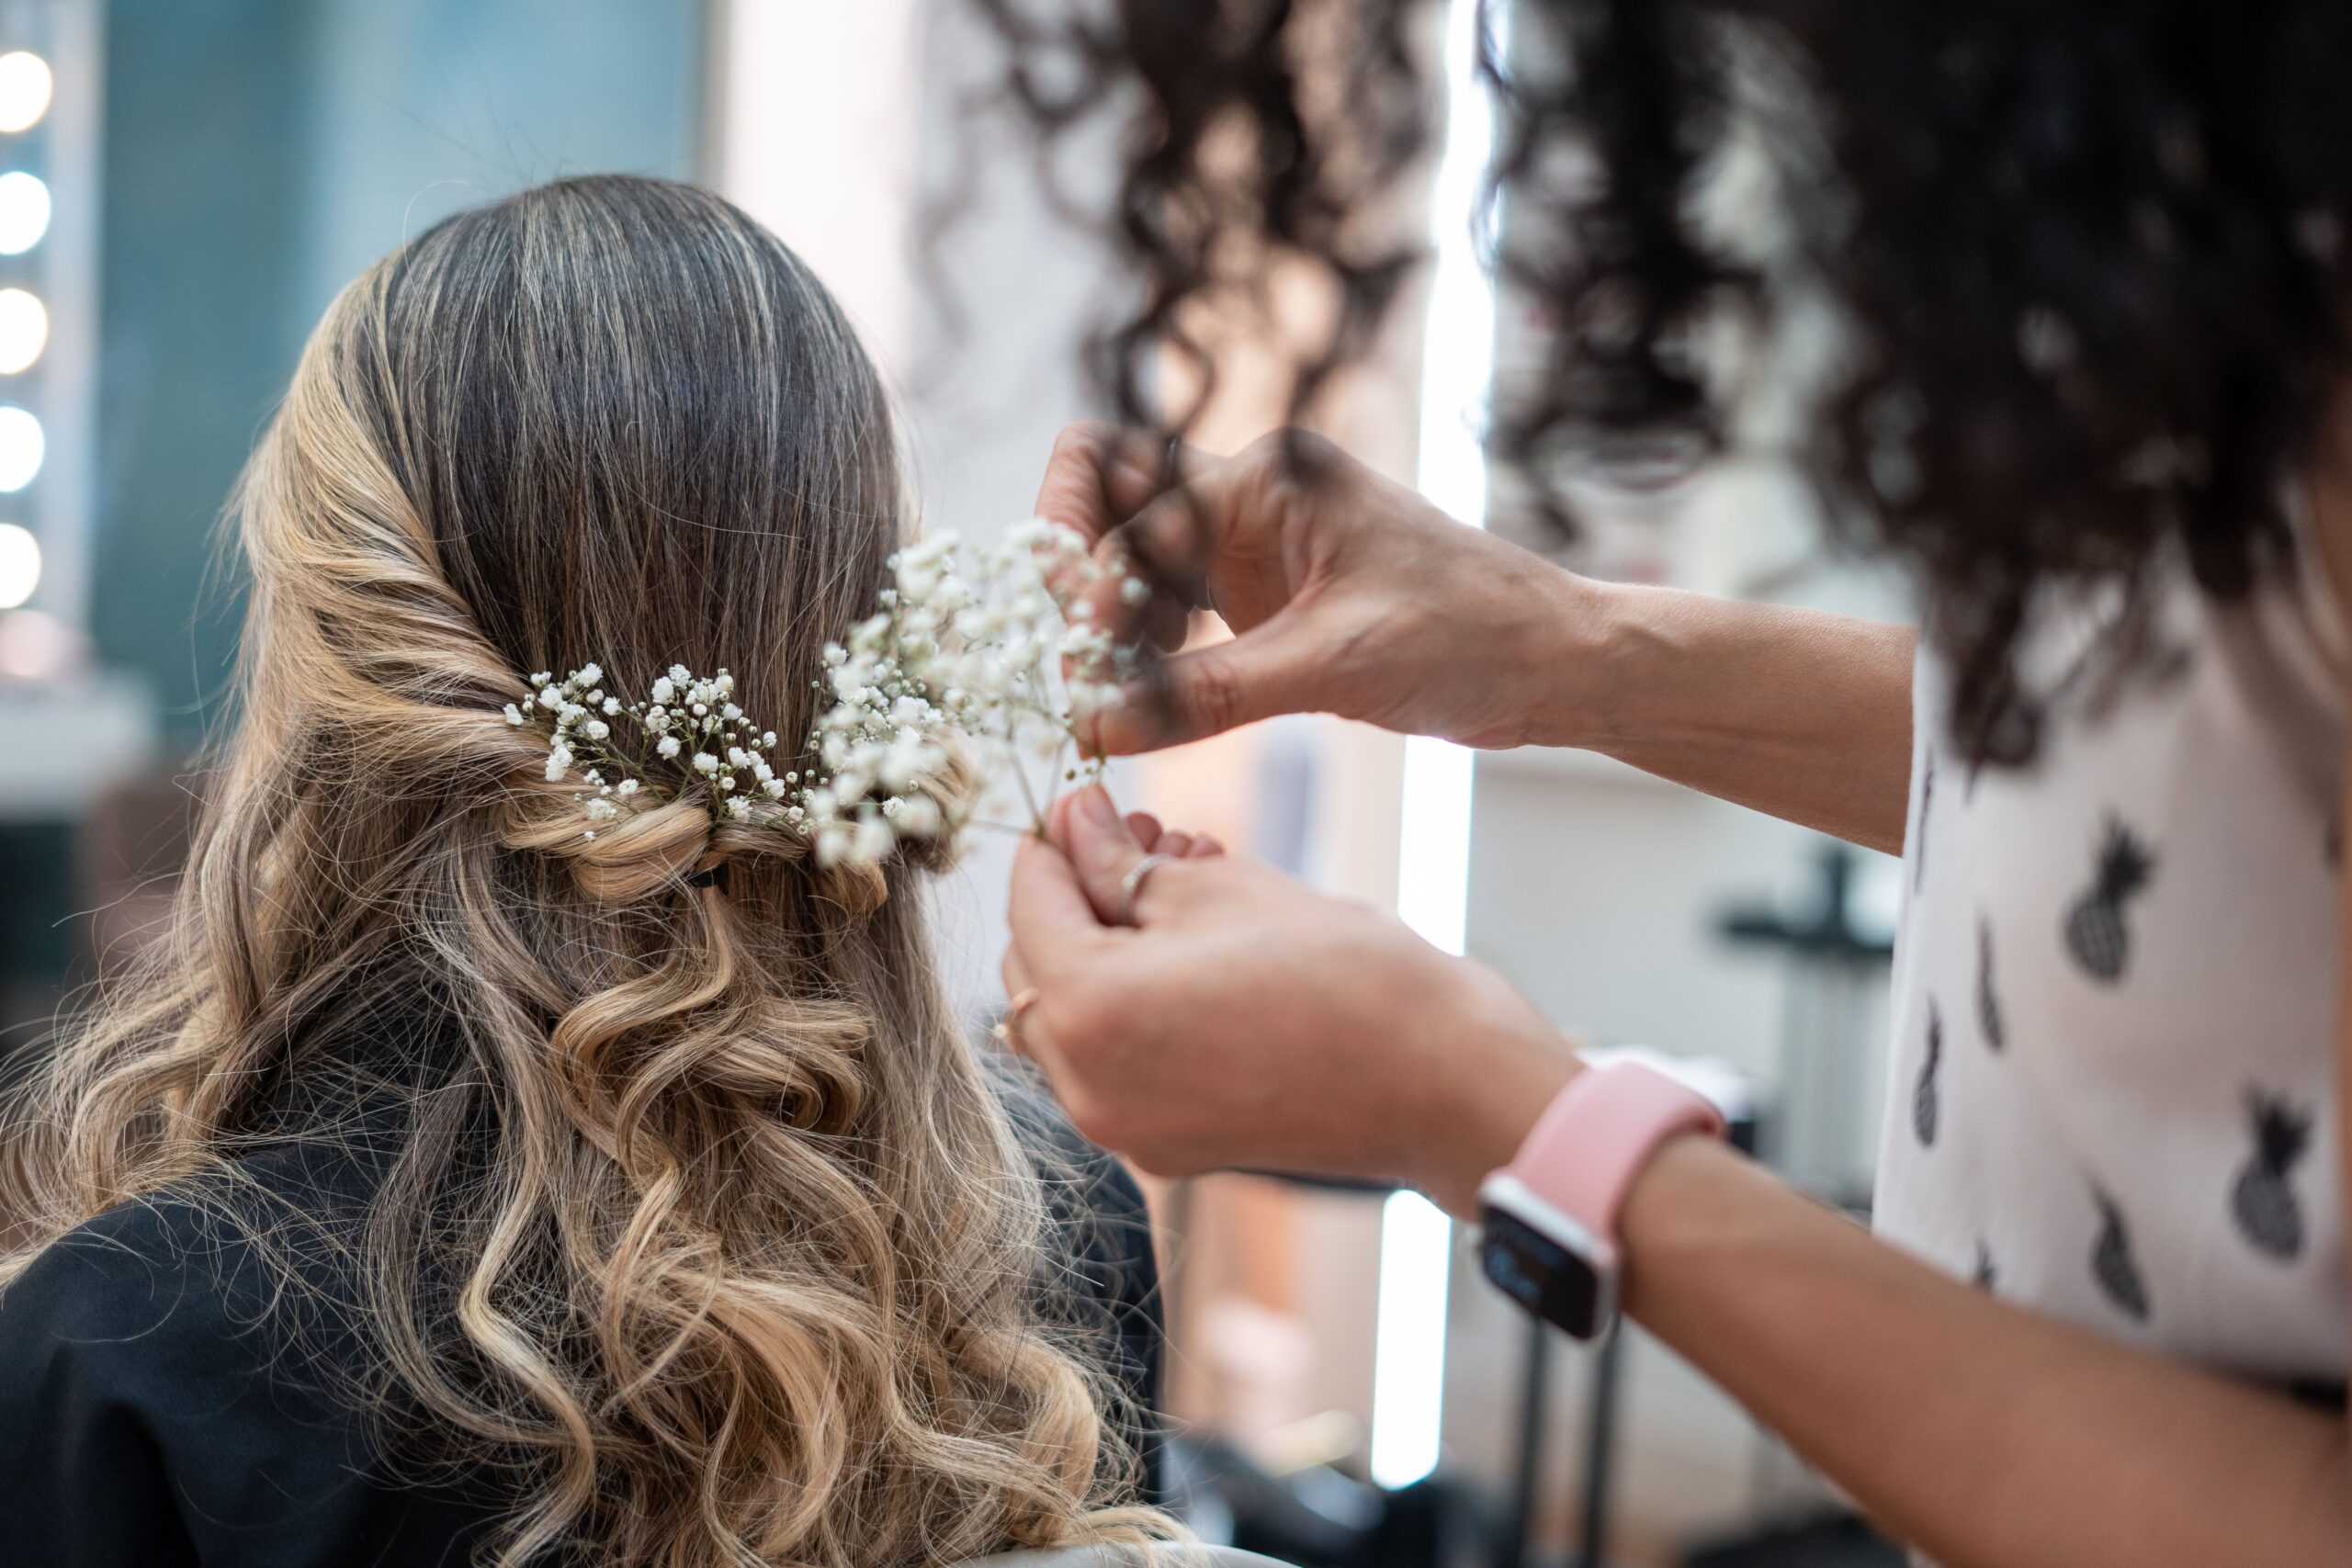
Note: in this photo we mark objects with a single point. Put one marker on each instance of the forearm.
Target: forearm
(1796, 713)
(1983, 1434)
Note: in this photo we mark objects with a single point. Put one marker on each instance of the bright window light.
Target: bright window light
(24, 330)
(21, 446)
(1407, 1363)
(1433, 851)
(19, 565)
(23, 90)
(24, 212)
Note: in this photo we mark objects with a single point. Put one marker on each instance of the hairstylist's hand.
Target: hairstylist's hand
(1246, 1021)
(1349, 594)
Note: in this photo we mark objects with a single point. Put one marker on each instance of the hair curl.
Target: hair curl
(699, 1223)
(2089, 260)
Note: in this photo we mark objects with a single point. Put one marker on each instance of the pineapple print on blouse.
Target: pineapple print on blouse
(1988, 1001)
(2112, 1265)
(2097, 933)
(1923, 1094)
(2112, 1086)
(1919, 834)
(2263, 1198)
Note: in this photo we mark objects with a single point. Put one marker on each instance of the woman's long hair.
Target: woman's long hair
(697, 1222)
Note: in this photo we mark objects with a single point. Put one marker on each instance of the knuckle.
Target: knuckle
(1310, 447)
(1270, 448)
(1214, 695)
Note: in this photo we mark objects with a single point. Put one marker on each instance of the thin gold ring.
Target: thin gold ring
(1007, 1028)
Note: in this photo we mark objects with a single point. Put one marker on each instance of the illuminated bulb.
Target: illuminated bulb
(19, 565)
(24, 330)
(24, 212)
(23, 90)
(21, 446)
(37, 646)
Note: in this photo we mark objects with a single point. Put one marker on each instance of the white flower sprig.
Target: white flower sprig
(966, 656)
(968, 659)
(691, 724)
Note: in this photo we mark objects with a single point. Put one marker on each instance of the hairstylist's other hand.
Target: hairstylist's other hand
(1348, 594)
(1246, 1021)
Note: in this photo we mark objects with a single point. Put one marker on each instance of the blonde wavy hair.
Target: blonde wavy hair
(699, 1220)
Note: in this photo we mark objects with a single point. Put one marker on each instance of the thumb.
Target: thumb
(1271, 668)
(1054, 928)
(1102, 847)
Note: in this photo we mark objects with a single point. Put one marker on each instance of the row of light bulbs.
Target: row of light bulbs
(26, 84)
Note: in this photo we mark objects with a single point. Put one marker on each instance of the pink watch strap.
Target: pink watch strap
(1594, 1138)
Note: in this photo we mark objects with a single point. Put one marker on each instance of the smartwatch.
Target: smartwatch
(1548, 1223)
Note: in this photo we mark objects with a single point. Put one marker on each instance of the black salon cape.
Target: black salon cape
(149, 1417)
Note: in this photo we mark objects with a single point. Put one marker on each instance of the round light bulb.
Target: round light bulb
(24, 330)
(25, 86)
(21, 446)
(19, 565)
(37, 646)
(24, 212)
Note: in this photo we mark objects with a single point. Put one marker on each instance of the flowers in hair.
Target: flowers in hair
(586, 735)
(983, 658)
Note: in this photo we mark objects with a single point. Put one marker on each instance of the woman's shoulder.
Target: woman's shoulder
(162, 1391)
(141, 1280)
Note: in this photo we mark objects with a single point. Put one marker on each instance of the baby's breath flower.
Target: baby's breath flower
(971, 657)
(918, 817)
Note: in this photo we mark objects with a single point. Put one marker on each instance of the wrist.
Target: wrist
(1491, 1095)
(1570, 659)
(1679, 1211)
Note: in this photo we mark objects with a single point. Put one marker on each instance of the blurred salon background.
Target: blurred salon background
(183, 186)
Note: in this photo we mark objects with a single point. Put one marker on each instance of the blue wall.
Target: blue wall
(259, 154)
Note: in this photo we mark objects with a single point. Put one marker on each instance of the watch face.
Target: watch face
(1543, 1276)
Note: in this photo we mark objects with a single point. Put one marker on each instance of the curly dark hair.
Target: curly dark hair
(2087, 258)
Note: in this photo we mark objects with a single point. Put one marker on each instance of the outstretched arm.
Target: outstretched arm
(1351, 595)
(1250, 1021)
